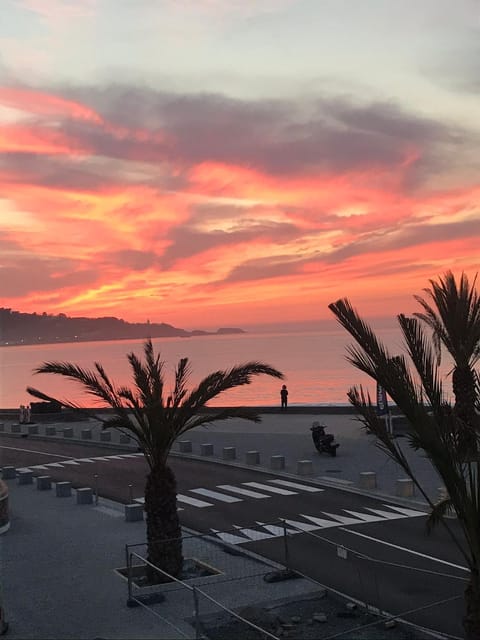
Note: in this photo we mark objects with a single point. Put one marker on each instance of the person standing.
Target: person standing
(284, 397)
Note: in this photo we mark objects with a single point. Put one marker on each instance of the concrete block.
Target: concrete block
(404, 488)
(105, 436)
(367, 480)
(85, 495)
(229, 453)
(68, 432)
(133, 512)
(252, 457)
(277, 463)
(304, 467)
(86, 434)
(63, 489)
(185, 446)
(2, 426)
(9, 473)
(32, 429)
(124, 439)
(16, 428)
(50, 431)
(206, 449)
(25, 477)
(44, 483)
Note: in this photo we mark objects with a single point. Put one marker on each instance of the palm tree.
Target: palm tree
(434, 427)
(453, 314)
(155, 421)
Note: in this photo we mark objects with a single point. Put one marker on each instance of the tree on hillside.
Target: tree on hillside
(155, 420)
(435, 426)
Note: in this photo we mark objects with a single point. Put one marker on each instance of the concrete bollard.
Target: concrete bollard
(63, 489)
(185, 446)
(2, 426)
(9, 473)
(252, 457)
(32, 429)
(86, 434)
(25, 477)
(124, 439)
(44, 483)
(105, 436)
(133, 512)
(85, 495)
(68, 432)
(277, 463)
(50, 431)
(206, 449)
(404, 488)
(16, 428)
(304, 467)
(368, 480)
(229, 453)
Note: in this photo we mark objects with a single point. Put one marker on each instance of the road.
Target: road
(390, 561)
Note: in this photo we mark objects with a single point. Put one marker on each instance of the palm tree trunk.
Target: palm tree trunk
(464, 390)
(471, 621)
(164, 536)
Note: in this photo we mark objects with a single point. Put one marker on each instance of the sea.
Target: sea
(314, 364)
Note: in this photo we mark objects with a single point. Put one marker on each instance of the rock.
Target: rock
(319, 617)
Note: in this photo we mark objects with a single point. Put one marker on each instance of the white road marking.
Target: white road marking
(84, 460)
(42, 453)
(54, 464)
(39, 466)
(243, 492)
(102, 459)
(19, 469)
(321, 522)
(230, 538)
(253, 534)
(265, 487)
(366, 517)
(415, 553)
(193, 501)
(303, 526)
(111, 458)
(296, 485)
(216, 495)
(277, 531)
(388, 515)
(411, 513)
(70, 462)
(343, 519)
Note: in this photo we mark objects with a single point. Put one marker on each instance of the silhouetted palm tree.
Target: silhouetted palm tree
(155, 421)
(433, 426)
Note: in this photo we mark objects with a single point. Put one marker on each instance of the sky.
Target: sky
(212, 163)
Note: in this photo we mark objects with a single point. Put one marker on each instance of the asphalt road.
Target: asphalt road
(390, 561)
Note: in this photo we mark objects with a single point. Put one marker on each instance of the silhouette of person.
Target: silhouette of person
(284, 397)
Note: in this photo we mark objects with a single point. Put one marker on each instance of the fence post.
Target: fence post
(196, 611)
(128, 558)
(285, 545)
(95, 479)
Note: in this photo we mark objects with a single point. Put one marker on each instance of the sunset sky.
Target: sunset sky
(212, 163)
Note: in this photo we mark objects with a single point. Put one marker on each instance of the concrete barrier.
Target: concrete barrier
(252, 457)
(68, 432)
(32, 429)
(277, 463)
(124, 439)
(105, 436)
(405, 488)
(133, 512)
(367, 480)
(2, 426)
(85, 495)
(229, 453)
(206, 449)
(9, 473)
(50, 431)
(86, 434)
(44, 483)
(16, 428)
(304, 467)
(63, 489)
(25, 477)
(185, 446)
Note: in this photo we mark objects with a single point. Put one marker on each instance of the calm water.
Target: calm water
(314, 365)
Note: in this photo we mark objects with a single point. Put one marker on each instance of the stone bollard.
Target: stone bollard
(32, 429)
(16, 428)
(85, 495)
(44, 483)
(124, 439)
(185, 446)
(277, 463)
(63, 489)
(229, 453)
(368, 480)
(68, 432)
(304, 467)
(133, 512)
(9, 473)
(25, 477)
(50, 431)
(252, 457)
(2, 426)
(405, 488)
(86, 434)
(105, 436)
(206, 449)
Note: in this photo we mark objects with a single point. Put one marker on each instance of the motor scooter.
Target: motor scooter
(324, 442)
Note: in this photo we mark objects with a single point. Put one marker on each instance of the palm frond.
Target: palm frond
(438, 513)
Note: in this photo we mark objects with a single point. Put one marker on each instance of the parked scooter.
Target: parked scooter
(324, 442)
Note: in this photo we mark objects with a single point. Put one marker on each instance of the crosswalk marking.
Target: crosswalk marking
(296, 485)
(215, 495)
(265, 487)
(342, 519)
(303, 526)
(84, 460)
(366, 517)
(276, 530)
(39, 466)
(411, 513)
(230, 538)
(193, 501)
(321, 522)
(254, 534)
(243, 492)
(71, 462)
(388, 515)
(54, 464)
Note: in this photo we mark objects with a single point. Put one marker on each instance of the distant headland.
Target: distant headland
(18, 328)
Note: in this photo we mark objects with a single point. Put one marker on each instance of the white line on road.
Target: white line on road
(243, 492)
(396, 546)
(265, 487)
(42, 453)
(296, 485)
(193, 501)
(215, 495)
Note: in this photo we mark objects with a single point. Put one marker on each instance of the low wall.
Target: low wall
(4, 517)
